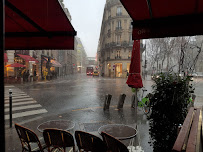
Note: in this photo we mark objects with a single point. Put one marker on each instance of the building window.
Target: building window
(118, 39)
(129, 54)
(131, 26)
(109, 14)
(118, 53)
(118, 25)
(130, 39)
(119, 11)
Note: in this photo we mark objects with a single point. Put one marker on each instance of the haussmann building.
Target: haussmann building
(115, 42)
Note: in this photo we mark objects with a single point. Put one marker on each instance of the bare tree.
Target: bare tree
(179, 53)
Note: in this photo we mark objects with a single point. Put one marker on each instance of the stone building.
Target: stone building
(81, 55)
(115, 43)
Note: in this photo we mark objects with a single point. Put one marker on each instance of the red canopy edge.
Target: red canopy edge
(55, 63)
(36, 24)
(168, 18)
(184, 25)
(28, 58)
(15, 65)
(5, 57)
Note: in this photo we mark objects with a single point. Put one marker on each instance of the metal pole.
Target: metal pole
(136, 103)
(2, 36)
(10, 108)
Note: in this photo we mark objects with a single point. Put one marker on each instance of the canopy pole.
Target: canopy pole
(2, 35)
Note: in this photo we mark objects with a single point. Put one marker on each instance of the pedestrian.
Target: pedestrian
(23, 74)
(127, 74)
(35, 72)
(27, 75)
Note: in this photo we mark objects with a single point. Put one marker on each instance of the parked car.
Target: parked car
(95, 73)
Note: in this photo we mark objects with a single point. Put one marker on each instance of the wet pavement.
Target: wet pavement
(80, 99)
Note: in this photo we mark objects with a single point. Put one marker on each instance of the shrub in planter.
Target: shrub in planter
(169, 109)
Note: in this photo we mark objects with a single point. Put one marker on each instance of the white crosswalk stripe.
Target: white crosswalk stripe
(22, 104)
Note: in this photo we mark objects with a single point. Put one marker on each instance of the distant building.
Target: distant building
(81, 56)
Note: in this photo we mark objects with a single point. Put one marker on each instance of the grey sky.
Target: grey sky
(86, 19)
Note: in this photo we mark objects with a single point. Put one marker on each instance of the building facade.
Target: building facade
(115, 42)
(81, 56)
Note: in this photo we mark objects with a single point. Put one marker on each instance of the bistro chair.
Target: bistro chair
(29, 140)
(87, 142)
(113, 144)
(58, 140)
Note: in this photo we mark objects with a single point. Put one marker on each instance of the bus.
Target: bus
(89, 70)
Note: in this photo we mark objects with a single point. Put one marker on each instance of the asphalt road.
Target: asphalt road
(79, 98)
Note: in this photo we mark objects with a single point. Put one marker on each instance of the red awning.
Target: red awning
(37, 24)
(17, 65)
(55, 63)
(165, 18)
(28, 58)
(5, 57)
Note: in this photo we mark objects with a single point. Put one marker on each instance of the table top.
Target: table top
(58, 124)
(119, 131)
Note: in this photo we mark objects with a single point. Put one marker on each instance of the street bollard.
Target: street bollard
(133, 101)
(107, 101)
(10, 108)
(121, 101)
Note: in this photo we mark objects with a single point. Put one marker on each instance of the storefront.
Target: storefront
(49, 67)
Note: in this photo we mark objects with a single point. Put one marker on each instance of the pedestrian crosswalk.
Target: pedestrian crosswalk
(22, 104)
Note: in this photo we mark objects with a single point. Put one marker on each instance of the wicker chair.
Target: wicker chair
(57, 139)
(29, 140)
(87, 142)
(113, 145)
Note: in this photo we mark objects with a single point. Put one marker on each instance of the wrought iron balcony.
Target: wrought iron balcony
(117, 57)
(118, 14)
(118, 28)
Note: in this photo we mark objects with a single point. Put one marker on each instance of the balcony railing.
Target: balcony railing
(118, 14)
(118, 28)
(117, 57)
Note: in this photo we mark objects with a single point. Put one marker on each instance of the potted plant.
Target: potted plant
(169, 109)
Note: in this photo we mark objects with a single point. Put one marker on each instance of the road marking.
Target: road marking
(90, 108)
(23, 107)
(20, 103)
(17, 97)
(15, 94)
(27, 113)
(16, 100)
(98, 108)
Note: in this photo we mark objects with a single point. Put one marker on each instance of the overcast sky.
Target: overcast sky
(86, 20)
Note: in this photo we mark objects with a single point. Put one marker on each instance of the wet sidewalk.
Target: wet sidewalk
(90, 120)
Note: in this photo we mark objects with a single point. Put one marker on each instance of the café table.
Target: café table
(119, 131)
(57, 124)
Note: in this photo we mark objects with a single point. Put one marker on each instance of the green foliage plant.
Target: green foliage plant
(169, 109)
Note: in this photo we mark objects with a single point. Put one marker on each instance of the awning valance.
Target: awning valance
(55, 63)
(37, 24)
(166, 18)
(28, 58)
(5, 57)
(51, 60)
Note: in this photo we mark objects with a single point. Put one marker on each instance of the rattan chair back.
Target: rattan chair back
(58, 139)
(113, 144)
(88, 142)
(28, 138)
